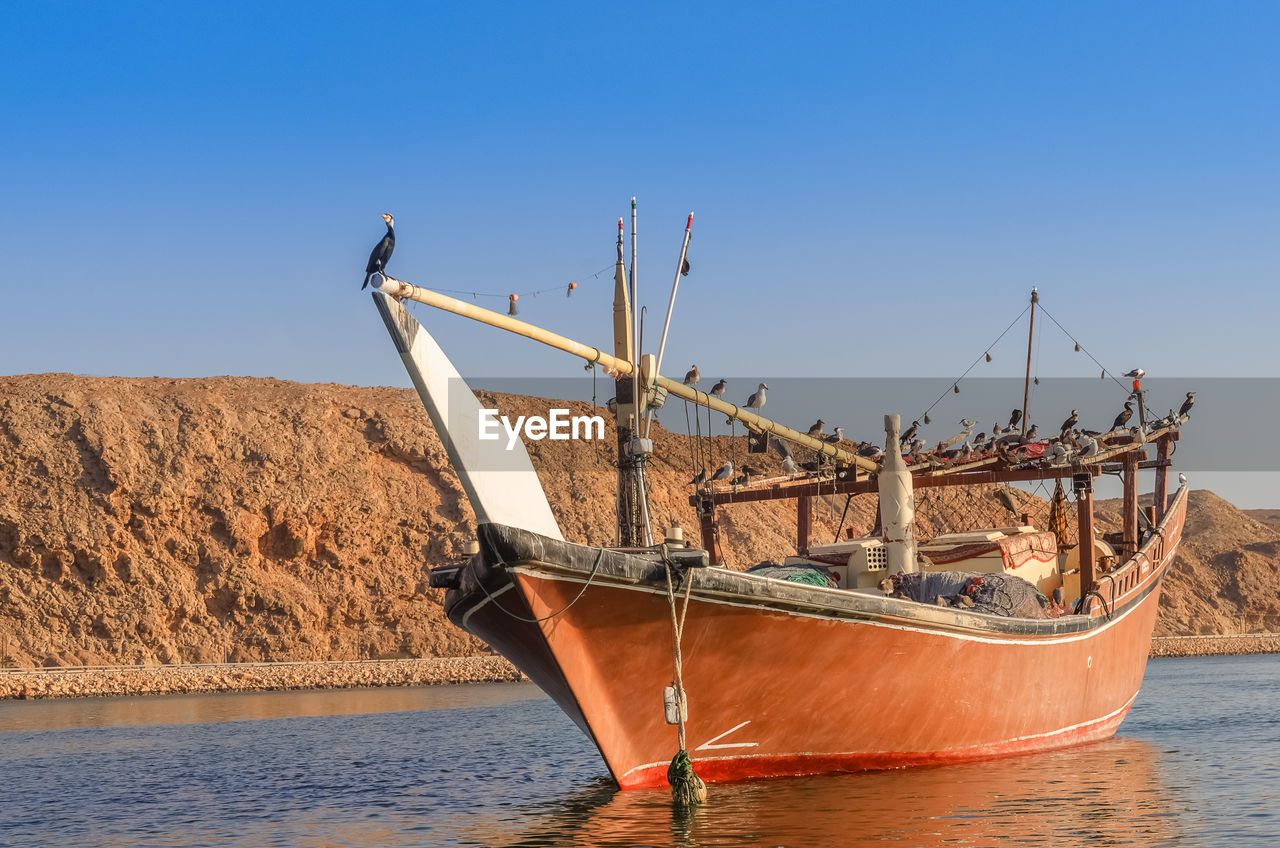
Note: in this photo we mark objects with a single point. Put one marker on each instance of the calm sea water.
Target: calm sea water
(1196, 763)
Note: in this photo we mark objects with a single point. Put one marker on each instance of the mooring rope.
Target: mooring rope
(687, 789)
(500, 608)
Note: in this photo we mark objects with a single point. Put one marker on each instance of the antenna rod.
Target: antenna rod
(636, 397)
(1026, 386)
(671, 305)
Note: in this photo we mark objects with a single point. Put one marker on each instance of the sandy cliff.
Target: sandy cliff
(159, 520)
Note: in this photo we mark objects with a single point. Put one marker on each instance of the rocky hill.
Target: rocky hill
(160, 520)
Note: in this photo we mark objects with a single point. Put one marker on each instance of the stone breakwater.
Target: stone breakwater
(1215, 646)
(117, 681)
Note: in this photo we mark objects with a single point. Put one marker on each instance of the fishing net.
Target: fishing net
(994, 594)
(807, 574)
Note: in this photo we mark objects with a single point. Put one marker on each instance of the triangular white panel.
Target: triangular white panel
(501, 483)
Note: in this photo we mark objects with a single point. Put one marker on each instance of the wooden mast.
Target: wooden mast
(623, 349)
(1026, 386)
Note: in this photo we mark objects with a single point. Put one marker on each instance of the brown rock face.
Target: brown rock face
(177, 521)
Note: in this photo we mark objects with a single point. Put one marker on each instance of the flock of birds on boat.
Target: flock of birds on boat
(1072, 444)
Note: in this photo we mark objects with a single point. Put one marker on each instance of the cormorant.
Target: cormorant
(1188, 403)
(911, 432)
(1014, 418)
(381, 252)
(1123, 417)
(1070, 422)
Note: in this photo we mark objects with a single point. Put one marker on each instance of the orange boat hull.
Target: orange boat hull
(787, 688)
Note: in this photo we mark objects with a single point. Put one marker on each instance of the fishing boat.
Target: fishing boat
(890, 651)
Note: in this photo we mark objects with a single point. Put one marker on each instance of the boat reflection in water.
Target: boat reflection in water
(1109, 792)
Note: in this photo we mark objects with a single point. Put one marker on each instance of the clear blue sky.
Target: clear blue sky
(193, 189)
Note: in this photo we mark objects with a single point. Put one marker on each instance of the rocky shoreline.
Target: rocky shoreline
(119, 681)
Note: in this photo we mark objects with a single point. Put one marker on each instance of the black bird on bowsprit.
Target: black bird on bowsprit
(1188, 403)
(381, 251)
(1124, 416)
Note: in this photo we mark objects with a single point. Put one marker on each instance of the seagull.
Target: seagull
(756, 401)
(1031, 434)
(873, 452)
(700, 479)
(1070, 422)
(724, 472)
(968, 423)
(381, 254)
(1006, 500)
(1136, 374)
(911, 431)
(1088, 447)
(996, 430)
(692, 377)
(740, 480)
(835, 438)
(1182, 479)
(718, 389)
(815, 432)
(1123, 417)
(789, 466)
(1014, 418)
(1188, 403)
(750, 471)
(980, 439)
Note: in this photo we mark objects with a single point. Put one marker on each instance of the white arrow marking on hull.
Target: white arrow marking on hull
(710, 743)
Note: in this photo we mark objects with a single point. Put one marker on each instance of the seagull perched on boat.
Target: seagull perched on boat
(1006, 500)
(700, 479)
(815, 432)
(1136, 374)
(1182, 479)
(1031, 435)
(1188, 403)
(835, 438)
(1070, 422)
(718, 389)
(1123, 418)
(872, 452)
(789, 466)
(911, 432)
(968, 423)
(724, 472)
(756, 401)
(381, 251)
(692, 377)
(1088, 446)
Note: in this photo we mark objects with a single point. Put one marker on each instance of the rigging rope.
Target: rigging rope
(1083, 350)
(556, 287)
(981, 357)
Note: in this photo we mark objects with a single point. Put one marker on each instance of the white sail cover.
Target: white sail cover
(501, 483)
